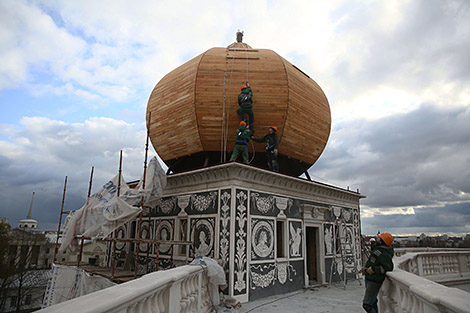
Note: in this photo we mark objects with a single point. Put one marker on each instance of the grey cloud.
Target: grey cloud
(411, 159)
(451, 218)
(49, 150)
(430, 42)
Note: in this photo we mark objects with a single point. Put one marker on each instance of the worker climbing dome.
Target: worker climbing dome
(194, 109)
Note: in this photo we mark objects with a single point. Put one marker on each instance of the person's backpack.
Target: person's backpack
(241, 138)
(246, 99)
(269, 143)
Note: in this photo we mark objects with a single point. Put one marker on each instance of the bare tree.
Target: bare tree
(23, 273)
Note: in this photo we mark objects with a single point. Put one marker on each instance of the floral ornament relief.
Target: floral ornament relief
(166, 206)
(263, 280)
(203, 202)
(283, 271)
(224, 232)
(263, 204)
(240, 255)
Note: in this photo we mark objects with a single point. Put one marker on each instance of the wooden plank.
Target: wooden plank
(194, 93)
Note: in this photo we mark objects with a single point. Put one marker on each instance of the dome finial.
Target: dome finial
(30, 212)
(239, 36)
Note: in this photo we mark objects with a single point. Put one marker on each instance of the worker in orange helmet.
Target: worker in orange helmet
(241, 143)
(245, 101)
(271, 141)
(379, 262)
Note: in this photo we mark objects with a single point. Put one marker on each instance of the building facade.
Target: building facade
(272, 233)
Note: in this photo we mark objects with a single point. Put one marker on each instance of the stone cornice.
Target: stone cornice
(245, 176)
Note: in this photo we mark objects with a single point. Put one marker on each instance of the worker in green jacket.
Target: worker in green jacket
(245, 101)
(241, 143)
(378, 263)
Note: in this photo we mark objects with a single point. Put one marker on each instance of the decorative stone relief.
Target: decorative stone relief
(165, 229)
(265, 275)
(328, 237)
(295, 239)
(262, 239)
(146, 232)
(260, 280)
(240, 243)
(347, 215)
(121, 233)
(281, 204)
(224, 229)
(202, 202)
(224, 235)
(262, 204)
(309, 212)
(165, 206)
(183, 202)
(282, 273)
(204, 237)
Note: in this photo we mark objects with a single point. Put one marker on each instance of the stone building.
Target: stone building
(272, 232)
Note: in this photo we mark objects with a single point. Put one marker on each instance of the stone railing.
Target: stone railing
(442, 267)
(410, 287)
(182, 289)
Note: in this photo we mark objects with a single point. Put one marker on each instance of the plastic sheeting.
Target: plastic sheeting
(105, 211)
(70, 282)
(216, 275)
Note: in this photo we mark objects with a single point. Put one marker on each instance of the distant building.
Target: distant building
(29, 223)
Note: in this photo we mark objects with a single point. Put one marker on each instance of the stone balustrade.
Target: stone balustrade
(182, 289)
(442, 267)
(412, 286)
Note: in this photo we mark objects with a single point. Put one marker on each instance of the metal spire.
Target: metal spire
(30, 213)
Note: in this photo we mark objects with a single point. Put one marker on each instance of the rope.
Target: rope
(226, 116)
(228, 111)
(252, 145)
(223, 152)
(254, 152)
(223, 112)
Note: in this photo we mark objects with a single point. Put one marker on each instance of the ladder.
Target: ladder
(339, 238)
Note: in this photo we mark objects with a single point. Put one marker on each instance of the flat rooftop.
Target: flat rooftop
(315, 300)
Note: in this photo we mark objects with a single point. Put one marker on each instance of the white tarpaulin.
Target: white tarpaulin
(70, 282)
(105, 211)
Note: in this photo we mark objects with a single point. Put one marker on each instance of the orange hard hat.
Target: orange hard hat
(243, 87)
(242, 123)
(387, 238)
(274, 128)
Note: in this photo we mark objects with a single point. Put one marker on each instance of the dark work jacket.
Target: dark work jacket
(245, 98)
(243, 135)
(271, 141)
(381, 262)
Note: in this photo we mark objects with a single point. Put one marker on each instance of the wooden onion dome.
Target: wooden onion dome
(193, 110)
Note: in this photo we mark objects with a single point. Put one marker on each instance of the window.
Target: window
(35, 255)
(13, 301)
(27, 300)
(280, 242)
(13, 251)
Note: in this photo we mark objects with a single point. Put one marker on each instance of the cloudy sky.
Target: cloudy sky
(75, 77)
